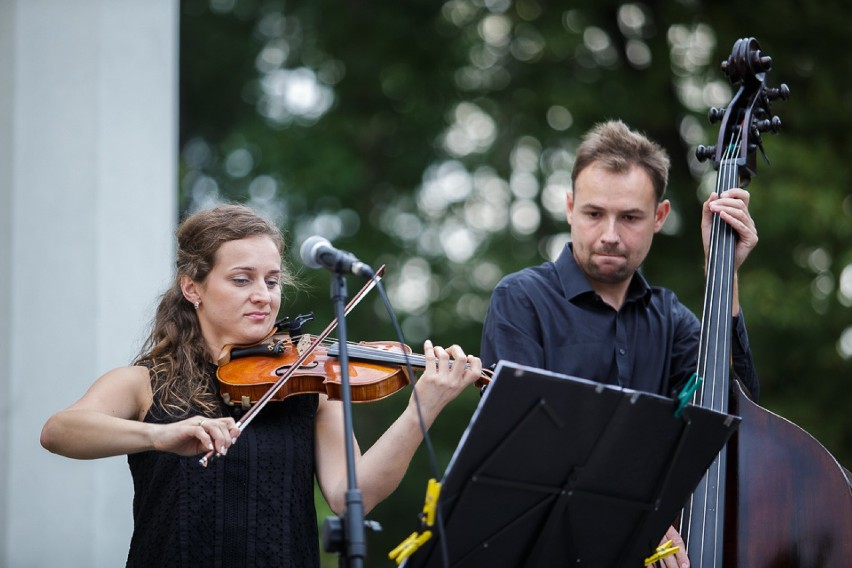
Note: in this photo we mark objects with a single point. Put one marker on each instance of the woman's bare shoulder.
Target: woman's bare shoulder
(122, 391)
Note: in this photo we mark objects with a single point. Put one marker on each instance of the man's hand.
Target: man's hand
(732, 207)
(678, 559)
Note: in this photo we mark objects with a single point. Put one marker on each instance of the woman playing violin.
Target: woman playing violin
(254, 507)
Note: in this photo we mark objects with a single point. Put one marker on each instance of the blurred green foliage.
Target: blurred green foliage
(435, 137)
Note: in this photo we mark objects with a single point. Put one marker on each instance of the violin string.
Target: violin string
(374, 354)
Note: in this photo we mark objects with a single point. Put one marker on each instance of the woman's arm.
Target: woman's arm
(107, 421)
(381, 468)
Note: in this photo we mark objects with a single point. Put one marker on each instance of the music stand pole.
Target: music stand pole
(353, 548)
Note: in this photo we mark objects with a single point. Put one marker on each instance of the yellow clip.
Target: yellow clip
(409, 546)
(665, 549)
(427, 520)
(433, 490)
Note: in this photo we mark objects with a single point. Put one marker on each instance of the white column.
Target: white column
(88, 136)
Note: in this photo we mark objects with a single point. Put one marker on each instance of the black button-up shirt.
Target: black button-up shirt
(548, 317)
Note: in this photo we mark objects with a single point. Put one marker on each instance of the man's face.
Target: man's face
(613, 218)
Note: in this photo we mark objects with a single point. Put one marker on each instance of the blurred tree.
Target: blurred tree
(437, 138)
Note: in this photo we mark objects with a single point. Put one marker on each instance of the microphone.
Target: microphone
(317, 252)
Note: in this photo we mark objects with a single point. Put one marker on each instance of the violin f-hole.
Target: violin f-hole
(279, 371)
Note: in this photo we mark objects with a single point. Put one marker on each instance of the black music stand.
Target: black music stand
(559, 471)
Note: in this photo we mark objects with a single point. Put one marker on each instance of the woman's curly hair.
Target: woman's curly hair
(175, 350)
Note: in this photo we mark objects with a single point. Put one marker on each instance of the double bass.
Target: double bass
(774, 497)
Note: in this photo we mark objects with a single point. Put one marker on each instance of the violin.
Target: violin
(276, 368)
(377, 369)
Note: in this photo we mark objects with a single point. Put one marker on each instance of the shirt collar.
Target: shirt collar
(575, 284)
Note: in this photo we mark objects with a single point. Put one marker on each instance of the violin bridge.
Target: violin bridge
(245, 401)
(304, 342)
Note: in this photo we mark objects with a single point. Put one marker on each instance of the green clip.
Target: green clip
(687, 391)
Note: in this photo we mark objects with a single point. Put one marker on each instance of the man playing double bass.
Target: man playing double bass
(591, 314)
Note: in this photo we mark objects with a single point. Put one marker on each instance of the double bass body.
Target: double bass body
(789, 502)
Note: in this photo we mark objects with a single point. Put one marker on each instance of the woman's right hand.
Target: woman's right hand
(196, 435)
(109, 421)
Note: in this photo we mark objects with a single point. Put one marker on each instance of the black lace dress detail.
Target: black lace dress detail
(253, 507)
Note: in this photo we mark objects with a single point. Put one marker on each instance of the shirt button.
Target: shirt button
(622, 351)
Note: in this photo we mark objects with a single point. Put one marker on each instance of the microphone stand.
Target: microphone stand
(348, 540)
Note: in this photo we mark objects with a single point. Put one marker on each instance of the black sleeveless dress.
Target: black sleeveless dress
(253, 507)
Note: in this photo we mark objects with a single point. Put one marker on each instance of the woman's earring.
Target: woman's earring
(196, 304)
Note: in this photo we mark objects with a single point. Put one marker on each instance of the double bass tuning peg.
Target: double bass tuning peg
(704, 152)
(782, 92)
(772, 125)
(715, 115)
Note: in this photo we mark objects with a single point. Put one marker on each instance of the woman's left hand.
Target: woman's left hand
(448, 372)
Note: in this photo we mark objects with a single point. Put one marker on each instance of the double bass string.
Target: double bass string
(714, 354)
(708, 355)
